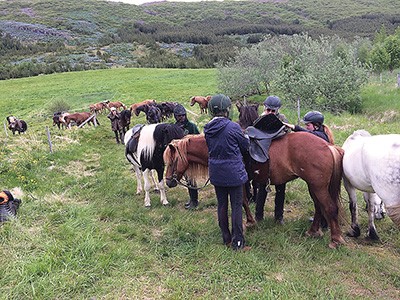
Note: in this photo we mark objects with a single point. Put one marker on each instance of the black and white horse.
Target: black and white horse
(145, 150)
(15, 124)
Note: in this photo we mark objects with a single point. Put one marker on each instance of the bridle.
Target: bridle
(188, 183)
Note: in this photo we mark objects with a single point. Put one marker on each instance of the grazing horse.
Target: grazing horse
(97, 107)
(145, 153)
(134, 106)
(78, 118)
(58, 119)
(372, 164)
(202, 101)
(289, 158)
(15, 124)
(117, 104)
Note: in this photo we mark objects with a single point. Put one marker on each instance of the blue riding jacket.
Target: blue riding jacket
(226, 143)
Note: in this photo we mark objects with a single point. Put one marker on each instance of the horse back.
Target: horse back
(299, 154)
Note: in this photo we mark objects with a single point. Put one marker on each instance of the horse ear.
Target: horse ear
(239, 105)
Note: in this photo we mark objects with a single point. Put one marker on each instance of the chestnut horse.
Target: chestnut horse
(97, 107)
(117, 104)
(134, 106)
(202, 101)
(78, 118)
(294, 155)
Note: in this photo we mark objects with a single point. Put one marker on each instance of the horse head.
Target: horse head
(153, 115)
(247, 114)
(175, 159)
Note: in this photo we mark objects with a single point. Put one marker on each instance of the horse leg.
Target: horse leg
(146, 188)
(249, 217)
(351, 191)
(330, 211)
(138, 173)
(163, 194)
(155, 182)
(315, 230)
(369, 198)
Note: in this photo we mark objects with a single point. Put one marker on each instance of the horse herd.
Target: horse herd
(367, 163)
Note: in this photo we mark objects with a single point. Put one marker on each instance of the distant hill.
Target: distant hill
(85, 34)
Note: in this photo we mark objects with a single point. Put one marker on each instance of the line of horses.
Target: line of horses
(294, 155)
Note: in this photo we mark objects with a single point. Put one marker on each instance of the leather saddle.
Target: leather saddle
(134, 141)
(264, 130)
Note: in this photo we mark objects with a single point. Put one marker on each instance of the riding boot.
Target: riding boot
(193, 202)
(279, 202)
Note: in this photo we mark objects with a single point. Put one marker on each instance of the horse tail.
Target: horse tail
(336, 179)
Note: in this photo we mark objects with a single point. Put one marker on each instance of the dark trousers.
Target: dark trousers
(279, 201)
(118, 134)
(236, 198)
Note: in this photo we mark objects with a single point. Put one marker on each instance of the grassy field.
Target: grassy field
(82, 233)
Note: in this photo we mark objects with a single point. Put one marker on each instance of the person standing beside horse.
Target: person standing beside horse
(271, 106)
(189, 128)
(226, 144)
(114, 117)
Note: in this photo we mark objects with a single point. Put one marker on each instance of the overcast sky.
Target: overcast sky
(137, 2)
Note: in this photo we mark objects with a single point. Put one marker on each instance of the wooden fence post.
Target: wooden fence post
(49, 139)
(398, 80)
(5, 128)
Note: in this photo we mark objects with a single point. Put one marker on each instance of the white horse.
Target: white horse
(372, 164)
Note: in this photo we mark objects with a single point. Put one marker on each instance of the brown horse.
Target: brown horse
(134, 106)
(117, 104)
(78, 119)
(98, 107)
(292, 156)
(202, 101)
(189, 156)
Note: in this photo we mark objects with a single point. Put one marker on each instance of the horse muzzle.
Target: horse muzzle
(171, 182)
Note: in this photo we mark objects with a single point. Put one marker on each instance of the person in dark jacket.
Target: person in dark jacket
(189, 128)
(271, 106)
(226, 143)
(114, 117)
(314, 122)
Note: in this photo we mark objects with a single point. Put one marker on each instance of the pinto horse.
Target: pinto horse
(202, 101)
(145, 153)
(15, 124)
(372, 164)
(290, 159)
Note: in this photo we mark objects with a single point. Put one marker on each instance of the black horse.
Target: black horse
(15, 124)
(125, 121)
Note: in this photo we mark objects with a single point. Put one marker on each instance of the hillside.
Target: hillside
(70, 35)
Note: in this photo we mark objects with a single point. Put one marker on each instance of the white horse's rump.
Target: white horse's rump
(372, 164)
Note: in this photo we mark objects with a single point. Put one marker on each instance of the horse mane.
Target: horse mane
(194, 171)
(247, 115)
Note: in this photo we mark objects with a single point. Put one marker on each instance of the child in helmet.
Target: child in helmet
(226, 143)
(314, 122)
(271, 106)
(189, 128)
(114, 117)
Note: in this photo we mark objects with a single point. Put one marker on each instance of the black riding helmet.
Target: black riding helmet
(179, 110)
(219, 105)
(272, 102)
(314, 117)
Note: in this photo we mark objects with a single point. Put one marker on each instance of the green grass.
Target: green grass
(82, 233)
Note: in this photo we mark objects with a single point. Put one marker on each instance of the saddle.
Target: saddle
(133, 142)
(264, 130)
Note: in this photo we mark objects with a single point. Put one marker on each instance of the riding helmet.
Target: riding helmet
(179, 110)
(219, 105)
(314, 117)
(272, 102)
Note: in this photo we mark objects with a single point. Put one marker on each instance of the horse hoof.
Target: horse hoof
(250, 224)
(166, 204)
(315, 234)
